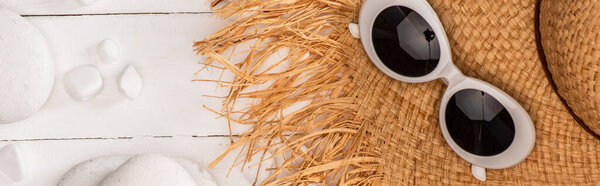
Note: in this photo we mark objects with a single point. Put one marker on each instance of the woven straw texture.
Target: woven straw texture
(363, 127)
(571, 40)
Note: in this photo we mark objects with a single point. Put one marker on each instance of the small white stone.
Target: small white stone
(11, 163)
(83, 83)
(108, 51)
(26, 68)
(130, 82)
(149, 169)
(93, 172)
(86, 2)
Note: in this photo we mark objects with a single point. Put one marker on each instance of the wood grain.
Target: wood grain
(160, 47)
(66, 7)
(156, 37)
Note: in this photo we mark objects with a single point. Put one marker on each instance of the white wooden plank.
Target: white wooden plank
(59, 7)
(160, 46)
(48, 161)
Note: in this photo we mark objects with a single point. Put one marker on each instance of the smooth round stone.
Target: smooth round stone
(130, 82)
(136, 170)
(92, 172)
(83, 83)
(149, 169)
(12, 163)
(26, 68)
(108, 51)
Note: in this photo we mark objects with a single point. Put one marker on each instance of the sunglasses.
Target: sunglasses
(483, 125)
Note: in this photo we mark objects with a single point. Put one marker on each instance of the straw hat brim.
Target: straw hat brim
(571, 41)
(496, 42)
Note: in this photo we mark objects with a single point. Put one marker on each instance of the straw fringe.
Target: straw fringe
(315, 34)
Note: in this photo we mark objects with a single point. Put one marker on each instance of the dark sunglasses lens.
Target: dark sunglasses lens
(478, 123)
(405, 42)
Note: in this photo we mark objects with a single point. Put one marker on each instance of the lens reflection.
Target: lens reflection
(405, 42)
(478, 123)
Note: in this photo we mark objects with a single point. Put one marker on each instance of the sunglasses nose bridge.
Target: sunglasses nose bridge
(451, 75)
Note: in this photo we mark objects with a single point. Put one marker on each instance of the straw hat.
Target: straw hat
(571, 42)
(362, 127)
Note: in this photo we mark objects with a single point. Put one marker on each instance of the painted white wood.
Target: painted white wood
(49, 160)
(160, 46)
(154, 35)
(60, 7)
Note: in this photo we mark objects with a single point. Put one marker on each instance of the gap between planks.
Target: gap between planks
(113, 14)
(121, 137)
(113, 138)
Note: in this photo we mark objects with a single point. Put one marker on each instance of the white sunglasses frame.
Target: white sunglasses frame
(524, 138)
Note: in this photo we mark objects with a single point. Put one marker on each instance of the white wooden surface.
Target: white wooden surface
(66, 7)
(48, 160)
(154, 35)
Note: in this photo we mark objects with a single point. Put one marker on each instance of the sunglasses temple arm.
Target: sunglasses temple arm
(478, 172)
(354, 30)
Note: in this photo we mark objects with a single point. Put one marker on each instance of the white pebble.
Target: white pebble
(108, 51)
(11, 163)
(86, 2)
(149, 169)
(130, 82)
(83, 83)
(95, 171)
(26, 68)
